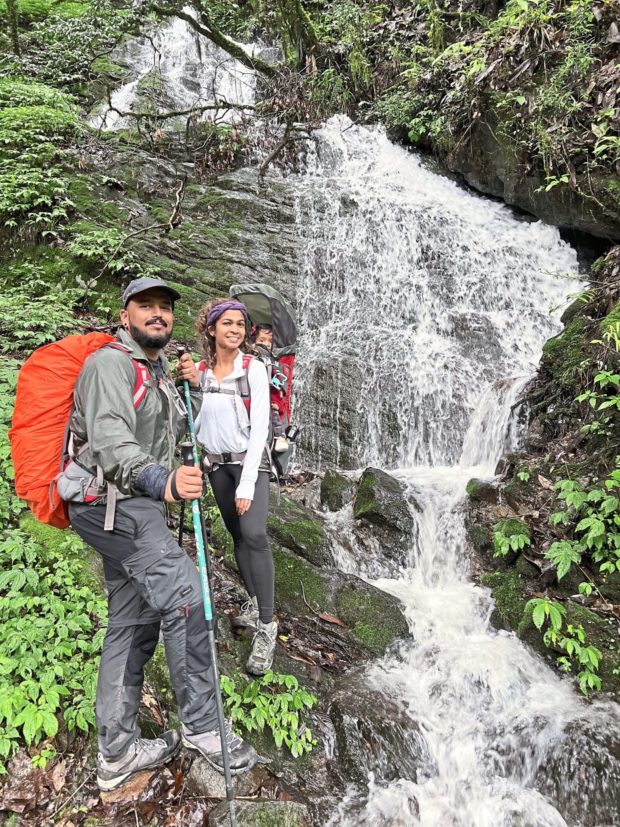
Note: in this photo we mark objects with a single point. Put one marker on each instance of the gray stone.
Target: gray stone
(381, 504)
(336, 491)
(206, 781)
(483, 491)
(262, 814)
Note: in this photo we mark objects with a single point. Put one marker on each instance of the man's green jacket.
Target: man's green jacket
(109, 433)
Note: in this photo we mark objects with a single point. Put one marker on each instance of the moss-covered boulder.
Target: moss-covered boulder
(262, 814)
(482, 491)
(507, 590)
(372, 618)
(295, 527)
(336, 491)
(380, 504)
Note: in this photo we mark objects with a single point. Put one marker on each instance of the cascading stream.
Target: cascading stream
(430, 297)
(423, 311)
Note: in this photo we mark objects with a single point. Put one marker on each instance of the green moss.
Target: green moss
(298, 533)
(106, 67)
(479, 537)
(612, 319)
(565, 354)
(374, 621)
(511, 526)
(507, 590)
(334, 490)
(290, 573)
(30, 11)
(70, 10)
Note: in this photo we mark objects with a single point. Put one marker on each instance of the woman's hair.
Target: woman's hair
(207, 339)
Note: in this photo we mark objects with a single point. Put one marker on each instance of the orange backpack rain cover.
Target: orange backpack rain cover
(42, 408)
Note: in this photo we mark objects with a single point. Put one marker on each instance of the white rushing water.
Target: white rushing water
(184, 70)
(423, 311)
(442, 299)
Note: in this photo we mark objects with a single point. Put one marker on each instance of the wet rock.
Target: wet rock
(291, 525)
(331, 410)
(483, 491)
(381, 504)
(490, 164)
(372, 618)
(262, 814)
(374, 734)
(582, 775)
(206, 781)
(336, 491)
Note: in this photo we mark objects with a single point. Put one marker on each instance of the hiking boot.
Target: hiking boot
(263, 647)
(241, 755)
(248, 616)
(143, 754)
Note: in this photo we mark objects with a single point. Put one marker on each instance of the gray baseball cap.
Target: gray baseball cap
(140, 285)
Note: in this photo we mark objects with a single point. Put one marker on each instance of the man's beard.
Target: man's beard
(145, 340)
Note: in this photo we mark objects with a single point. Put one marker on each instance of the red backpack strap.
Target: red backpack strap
(243, 383)
(143, 377)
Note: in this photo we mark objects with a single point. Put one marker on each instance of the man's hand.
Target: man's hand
(186, 369)
(242, 506)
(188, 481)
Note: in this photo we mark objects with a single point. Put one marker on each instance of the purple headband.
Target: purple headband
(220, 309)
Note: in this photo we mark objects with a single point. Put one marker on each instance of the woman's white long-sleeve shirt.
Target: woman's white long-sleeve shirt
(223, 425)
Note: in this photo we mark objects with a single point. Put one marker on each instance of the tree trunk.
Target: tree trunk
(12, 12)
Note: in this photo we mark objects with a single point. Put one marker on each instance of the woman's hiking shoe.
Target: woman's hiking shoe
(263, 647)
(143, 754)
(241, 755)
(248, 616)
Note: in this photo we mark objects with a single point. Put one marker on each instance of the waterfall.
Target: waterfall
(184, 69)
(415, 297)
(424, 310)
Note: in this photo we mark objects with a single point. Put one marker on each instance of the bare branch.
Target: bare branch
(206, 28)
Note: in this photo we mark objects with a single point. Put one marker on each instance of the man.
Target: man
(151, 582)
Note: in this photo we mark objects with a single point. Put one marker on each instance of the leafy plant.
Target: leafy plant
(52, 635)
(571, 640)
(274, 701)
(509, 535)
(28, 322)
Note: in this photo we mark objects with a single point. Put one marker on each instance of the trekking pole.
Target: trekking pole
(194, 442)
(188, 456)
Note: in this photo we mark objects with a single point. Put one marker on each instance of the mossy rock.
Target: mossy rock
(374, 618)
(482, 491)
(480, 537)
(381, 505)
(507, 590)
(293, 572)
(262, 814)
(565, 355)
(511, 526)
(336, 490)
(291, 525)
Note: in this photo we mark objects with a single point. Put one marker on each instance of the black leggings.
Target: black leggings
(249, 534)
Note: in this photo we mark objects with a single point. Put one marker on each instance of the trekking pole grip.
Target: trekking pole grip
(187, 453)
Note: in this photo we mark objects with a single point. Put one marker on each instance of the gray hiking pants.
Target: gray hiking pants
(151, 583)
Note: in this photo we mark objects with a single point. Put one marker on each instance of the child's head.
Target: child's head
(263, 335)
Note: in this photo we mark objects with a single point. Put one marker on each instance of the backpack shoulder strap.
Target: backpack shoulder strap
(243, 383)
(142, 381)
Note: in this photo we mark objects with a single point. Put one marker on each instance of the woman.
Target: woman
(233, 428)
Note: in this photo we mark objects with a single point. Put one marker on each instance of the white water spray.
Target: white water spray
(185, 70)
(436, 296)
